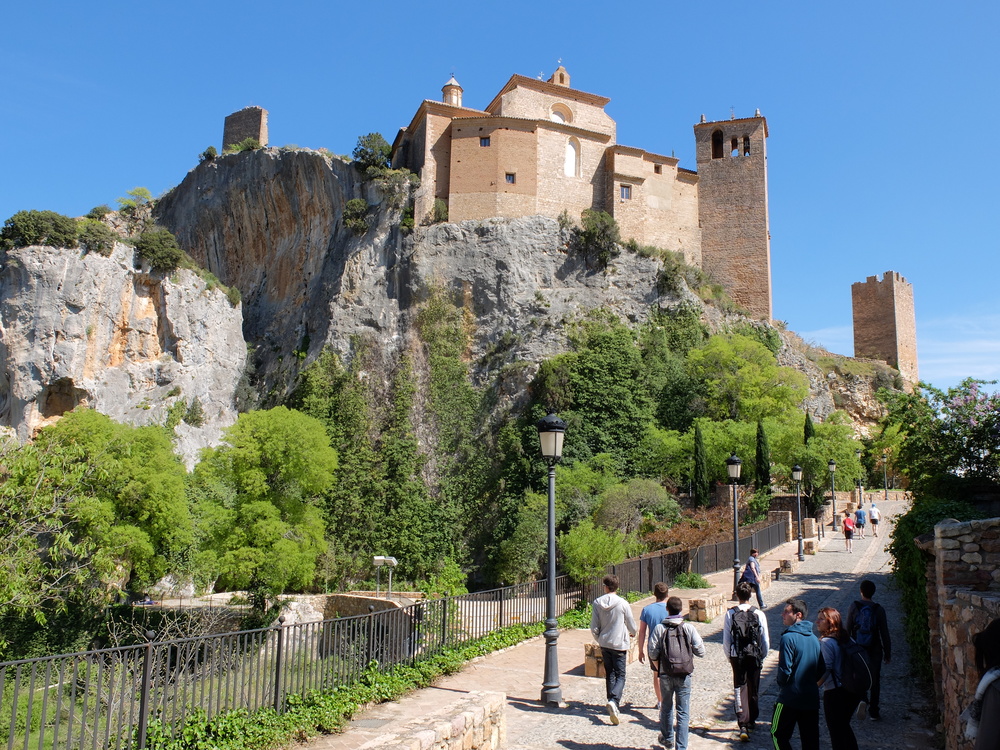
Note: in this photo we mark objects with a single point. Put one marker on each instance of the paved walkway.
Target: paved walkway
(827, 579)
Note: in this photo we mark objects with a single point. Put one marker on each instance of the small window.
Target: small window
(746, 145)
(511, 178)
(717, 144)
(626, 192)
(658, 168)
(736, 147)
(484, 141)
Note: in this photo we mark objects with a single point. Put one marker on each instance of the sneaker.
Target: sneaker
(862, 713)
(613, 712)
(873, 714)
(744, 734)
(665, 742)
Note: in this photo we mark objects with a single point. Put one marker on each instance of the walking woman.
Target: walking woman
(838, 703)
(983, 716)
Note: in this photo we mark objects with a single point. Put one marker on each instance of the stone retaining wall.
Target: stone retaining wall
(473, 721)
(963, 592)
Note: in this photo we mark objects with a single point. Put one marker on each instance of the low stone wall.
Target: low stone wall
(474, 721)
(963, 592)
(593, 658)
(707, 608)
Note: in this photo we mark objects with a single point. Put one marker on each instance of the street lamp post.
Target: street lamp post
(832, 466)
(733, 467)
(885, 477)
(861, 487)
(551, 431)
(797, 476)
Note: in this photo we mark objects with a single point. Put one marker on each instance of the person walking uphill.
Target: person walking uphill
(651, 616)
(745, 643)
(800, 667)
(866, 623)
(674, 645)
(839, 702)
(751, 574)
(613, 625)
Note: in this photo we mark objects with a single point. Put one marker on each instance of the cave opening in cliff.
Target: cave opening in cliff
(60, 397)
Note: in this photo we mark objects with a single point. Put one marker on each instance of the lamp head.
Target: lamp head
(381, 560)
(551, 430)
(832, 465)
(733, 466)
(797, 473)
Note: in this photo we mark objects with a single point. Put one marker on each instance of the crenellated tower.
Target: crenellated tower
(885, 324)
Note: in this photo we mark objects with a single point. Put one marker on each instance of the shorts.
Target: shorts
(874, 522)
(860, 525)
(848, 533)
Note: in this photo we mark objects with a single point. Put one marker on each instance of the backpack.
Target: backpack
(864, 625)
(676, 651)
(848, 524)
(855, 674)
(744, 633)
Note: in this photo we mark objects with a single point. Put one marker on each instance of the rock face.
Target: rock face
(85, 329)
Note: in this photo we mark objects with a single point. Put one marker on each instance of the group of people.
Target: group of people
(855, 524)
(809, 666)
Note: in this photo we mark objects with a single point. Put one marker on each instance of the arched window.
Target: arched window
(717, 144)
(561, 113)
(571, 166)
(746, 145)
(736, 147)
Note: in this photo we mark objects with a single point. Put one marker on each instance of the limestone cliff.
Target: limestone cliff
(85, 329)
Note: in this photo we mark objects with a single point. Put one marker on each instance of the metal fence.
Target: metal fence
(114, 698)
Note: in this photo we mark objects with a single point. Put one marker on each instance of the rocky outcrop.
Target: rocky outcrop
(85, 329)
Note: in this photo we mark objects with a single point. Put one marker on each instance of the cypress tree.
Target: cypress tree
(763, 468)
(809, 430)
(702, 487)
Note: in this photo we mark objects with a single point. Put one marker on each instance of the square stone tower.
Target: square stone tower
(885, 324)
(732, 209)
(249, 122)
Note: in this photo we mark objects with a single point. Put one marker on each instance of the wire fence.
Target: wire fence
(113, 698)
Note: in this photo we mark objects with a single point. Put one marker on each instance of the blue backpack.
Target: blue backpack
(865, 625)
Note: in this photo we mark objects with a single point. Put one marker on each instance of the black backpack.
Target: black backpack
(745, 632)
(865, 624)
(676, 651)
(855, 674)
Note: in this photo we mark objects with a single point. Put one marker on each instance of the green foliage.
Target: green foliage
(702, 486)
(234, 296)
(208, 154)
(195, 413)
(406, 223)
(587, 549)
(258, 497)
(175, 413)
(758, 505)
(393, 184)
(96, 237)
(134, 198)
(98, 212)
(762, 333)
(372, 150)
(762, 464)
(808, 430)
(27, 228)
(624, 507)
(356, 215)
(449, 580)
(910, 570)
(742, 379)
(439, 212)
(159, 248)
(691, 581)
(565, 220)
(519, 554)
(598, 237)
(247, 144)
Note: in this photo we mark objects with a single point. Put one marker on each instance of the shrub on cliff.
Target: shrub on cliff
(160, 249)
(247, 144)
(98, 212)
(27, 228)
(208, 154)
(372, 151)
(598, 237)
(356, 216)
(96, 237)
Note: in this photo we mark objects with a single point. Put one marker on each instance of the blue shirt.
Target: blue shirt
(860, 515)
(653, 614)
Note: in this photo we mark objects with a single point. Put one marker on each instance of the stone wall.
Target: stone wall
(963, 592)
(473, 721)
(250, 122)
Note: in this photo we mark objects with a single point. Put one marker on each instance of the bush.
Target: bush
(691, 581)
(208, 154)
(96, 237)
(356, 216)
(135, 197)
(234, 296)
(99, 212)
(598, 237)
(438, 214)
(160, 249)
(247, 144)
(406, 223)
(195, 414)
(26, 228)
(372, 151)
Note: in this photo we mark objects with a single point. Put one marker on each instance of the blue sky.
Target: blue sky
(883, 150)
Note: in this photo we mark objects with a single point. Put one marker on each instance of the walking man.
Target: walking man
(751, 574)
(800, 667)
(876, 515)
(651, 616)
(867, 625)
(745, 642)
(672, 648)
(849, 531)
(613, 625)
(860, 518)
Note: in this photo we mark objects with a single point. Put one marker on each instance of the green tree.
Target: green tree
(97, 237)
(598, 237)
(160, 249)
(624, 507)
(587, 549)
(762, 465)
(519, 555)
(702, 485)
(26, 228)
(372, 151)
(743, 381)
(264, 487)
(356, 216)
(135, 198)
(808, 430)
(209, 154)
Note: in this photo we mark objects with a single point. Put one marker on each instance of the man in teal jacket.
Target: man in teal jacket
(800, 666)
